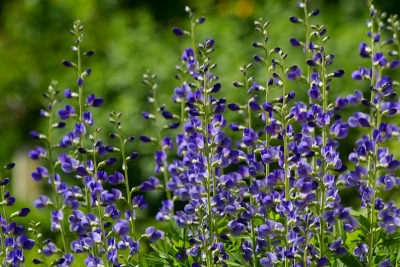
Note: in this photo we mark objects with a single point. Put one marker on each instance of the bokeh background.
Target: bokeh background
(130, 37)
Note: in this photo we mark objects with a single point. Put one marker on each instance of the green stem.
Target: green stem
(53, 173)
(165, 167)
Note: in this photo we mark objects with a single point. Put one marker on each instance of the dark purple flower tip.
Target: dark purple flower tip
(9, 166)
(338, 73)
(364, 122)
(377, 37)
(59, 125)
(37, 261)
(267, 106)
(258, 58)
(23, 212)
(394, 64)
(234, 107)
(209, 43)
(4, 181)
(294, 19)
(133, 156)
(174, 125)
(68, 64)
(256, 44)
(234, 127)
(10, 201)
(82, 150)
(35, 135)
(201, 20)
(79, 82)
(178, 31)
(216, 88)
(314, 12)
(89, 53)
(130, 139)
(111, 161)
(238, 84)
(294, 42)
(312, 63)
(167, 115)
(87, 72)
(145, 139)
(147, 115)
(81, 171)
(112, 135)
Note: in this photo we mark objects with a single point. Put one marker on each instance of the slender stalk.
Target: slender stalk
(99, 208)
(285, 160)
(53, 173)
(324, 163)
(165, 167)
(81, 108)
(209, 169)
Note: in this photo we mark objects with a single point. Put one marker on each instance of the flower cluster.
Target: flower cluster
(270, 198)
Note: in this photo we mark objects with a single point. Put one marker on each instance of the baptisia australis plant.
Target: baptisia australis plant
(270, 198)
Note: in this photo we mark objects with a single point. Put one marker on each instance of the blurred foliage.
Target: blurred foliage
(130, 37)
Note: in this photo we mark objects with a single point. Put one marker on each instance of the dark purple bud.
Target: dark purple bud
(256, 44)
(209, 43)
(112, 135)
(201, 20)
(89, 53)
(238, 84)
(394, 64)
(35, 135)
(133, 156)
(258, 58)
(294, 42)
(234, 127)
(167, 115)
(82, 150)
(364, 122)
(174, 125)
(267, 106)
(216, 88)
(338, 73)
(81, 171)
(145, 139)
(314, 12)
(377, 37)
(9, 166)
(234, 107)
(294, 19)
(23, 212)
(178, 31)
(4, 181)
(111, 161)
(68, 64)
(311, 63)
(79, 82)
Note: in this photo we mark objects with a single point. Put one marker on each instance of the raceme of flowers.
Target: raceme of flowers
(270, 198)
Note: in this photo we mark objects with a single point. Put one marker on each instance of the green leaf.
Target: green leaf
(153, 259)
(232, 263)
(237, 257)
(176, 230)
(350, 261)
(364, 222)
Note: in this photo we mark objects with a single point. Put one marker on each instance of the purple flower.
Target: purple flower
(92, 101)
(294, 73)
(117, 178)
(66, 113)
(153, 235)
(39, 174)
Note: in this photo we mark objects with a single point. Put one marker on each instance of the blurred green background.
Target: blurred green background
(129, 37)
